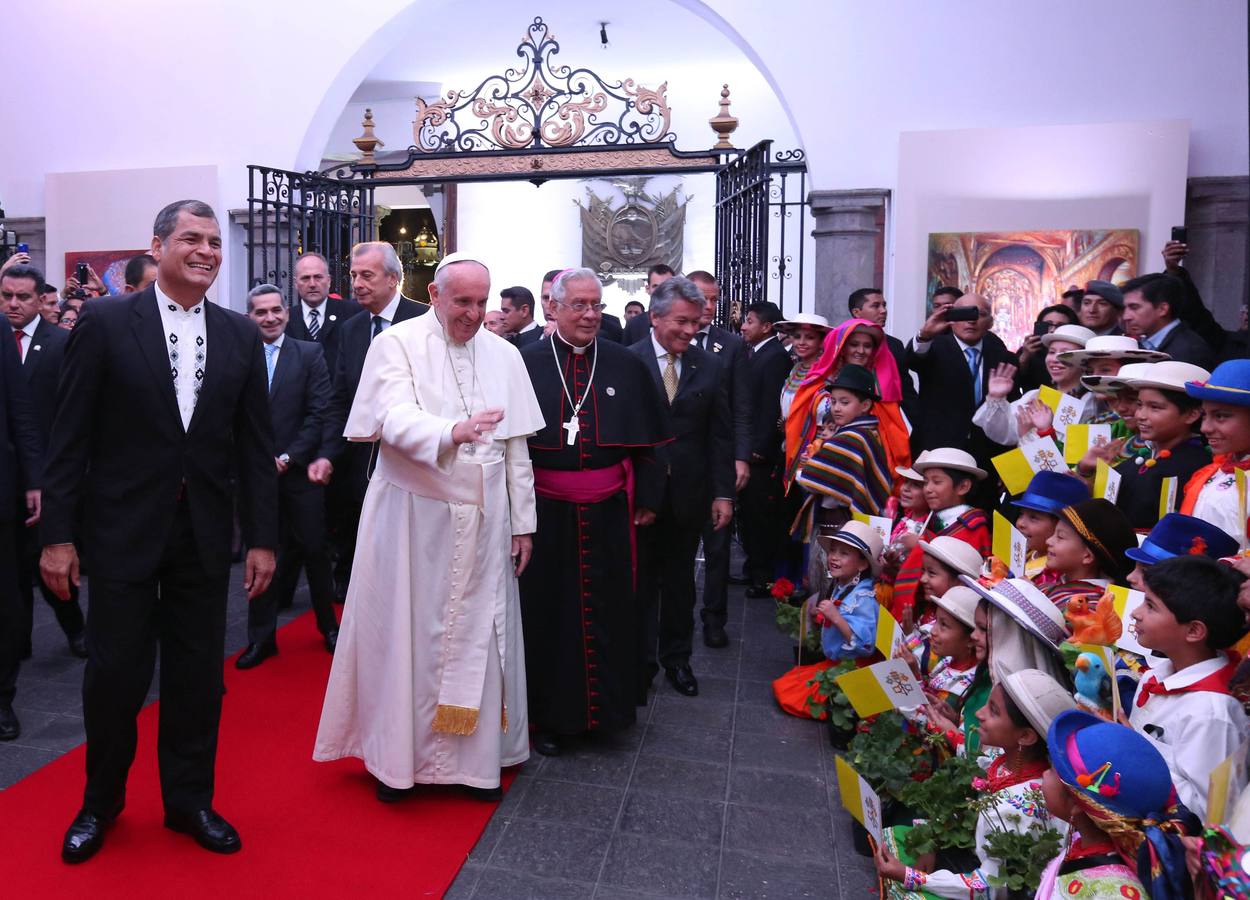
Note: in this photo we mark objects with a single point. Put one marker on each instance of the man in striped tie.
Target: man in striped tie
(318, 316)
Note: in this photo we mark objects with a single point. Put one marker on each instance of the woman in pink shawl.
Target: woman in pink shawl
(861, 343)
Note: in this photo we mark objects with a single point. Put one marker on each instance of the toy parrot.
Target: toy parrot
(1093, 685)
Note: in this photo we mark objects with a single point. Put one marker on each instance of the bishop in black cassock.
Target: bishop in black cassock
(594, 473)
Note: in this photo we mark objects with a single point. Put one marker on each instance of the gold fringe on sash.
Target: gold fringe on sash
(455, 719)
(503, 719)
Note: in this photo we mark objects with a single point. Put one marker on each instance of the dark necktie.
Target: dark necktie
(19, 334)
(314, 323)
(378, 324)
(701, 340)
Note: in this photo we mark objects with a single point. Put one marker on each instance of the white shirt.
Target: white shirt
(756, 347)
(530, 327)
(1217, 503)
(307, 311)
(186, 341)
(662, 355)
(29, 330)
(1195, 731)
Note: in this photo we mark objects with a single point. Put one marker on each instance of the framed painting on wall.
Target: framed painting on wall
(110, 265)
(1021, 272)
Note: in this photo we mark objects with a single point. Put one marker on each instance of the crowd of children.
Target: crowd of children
(1098, 688)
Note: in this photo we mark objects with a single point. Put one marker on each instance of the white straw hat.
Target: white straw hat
(948, 458)
(1111, 346)
(815, 321)
(1109, 384)
(1071, 334)
(1023, 601)
(1165, 376)
(954, 553)
(961, 602)
(862, 538)
(1039, 697)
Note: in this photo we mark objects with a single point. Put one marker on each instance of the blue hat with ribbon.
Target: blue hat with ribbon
(1179, 535)
(1229, 383)
(1049, 492)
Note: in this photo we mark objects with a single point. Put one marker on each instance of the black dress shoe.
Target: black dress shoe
(332, 640)
(78, 644)
(758, 592)
(85, 835)
(388, 794)
(255, 654)
(683, 680)
(546, 743)
(210, 830)
(714, 636)
(10, 728)
(487, 795)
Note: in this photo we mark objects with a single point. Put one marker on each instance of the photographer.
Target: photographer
(84, 284)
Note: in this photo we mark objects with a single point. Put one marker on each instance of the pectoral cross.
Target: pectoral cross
(572, 426)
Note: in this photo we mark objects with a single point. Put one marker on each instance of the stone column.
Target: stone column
(1216, 216)
(847, 239)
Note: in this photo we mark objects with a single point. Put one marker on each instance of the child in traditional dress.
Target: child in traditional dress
(947, 663)
(944, 560)
(949, 475)
(1039, 507)
(1087, 550)
(909, 511)
(1015, 719)
(1212, 492)
(1113, 787)
(1184, 705)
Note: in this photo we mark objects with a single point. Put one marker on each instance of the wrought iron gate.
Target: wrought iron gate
(761, 229)
(289, 213)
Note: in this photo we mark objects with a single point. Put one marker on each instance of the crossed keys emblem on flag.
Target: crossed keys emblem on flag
(898, 683)
(1046, 459)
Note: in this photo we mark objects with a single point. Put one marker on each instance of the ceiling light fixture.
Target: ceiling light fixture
(603, 34)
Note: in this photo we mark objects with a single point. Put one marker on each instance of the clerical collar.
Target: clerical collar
(578, 350)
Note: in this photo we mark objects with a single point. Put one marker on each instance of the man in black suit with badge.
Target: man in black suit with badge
(318, 316)
(162, 422)
(700, 466)
(732, 352)
(299, 395)
(376, 278)
(42, 348)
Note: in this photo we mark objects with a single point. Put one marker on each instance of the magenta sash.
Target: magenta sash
(592, 486)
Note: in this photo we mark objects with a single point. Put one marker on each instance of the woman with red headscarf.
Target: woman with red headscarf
(861, 343)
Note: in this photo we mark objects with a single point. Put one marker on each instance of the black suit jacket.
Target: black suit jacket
(335, 314)
(299, 398)
(732, 351)
(769, 367)
(120, 459)
(21, 449)
(637, 328)
(946, 395)
(523, 339)
(1184, 345)
(911, 400)
(610, 328)
(42, 370)
(699, 461)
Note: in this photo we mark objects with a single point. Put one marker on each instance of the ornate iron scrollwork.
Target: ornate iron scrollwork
(543, 104)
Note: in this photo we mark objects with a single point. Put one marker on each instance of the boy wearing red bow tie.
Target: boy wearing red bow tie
(1183, 705)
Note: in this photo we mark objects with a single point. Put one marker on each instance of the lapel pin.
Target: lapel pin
(611, 392)
(716, 348)
(37, 347)
(333, 318)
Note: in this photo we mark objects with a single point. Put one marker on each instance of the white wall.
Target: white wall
(1088, 176)
(114, 210)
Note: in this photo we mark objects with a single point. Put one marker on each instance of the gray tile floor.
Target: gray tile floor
(717, 796)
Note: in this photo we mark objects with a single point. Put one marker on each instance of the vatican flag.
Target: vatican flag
(1009, 545)
(1067, 409)
(1167, 496)
(1080, 438)
(882, 686)
(1106, 482)
(890, 635)
(1014, 469)
(860, 800)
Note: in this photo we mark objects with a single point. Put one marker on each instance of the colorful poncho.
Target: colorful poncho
(851, 468)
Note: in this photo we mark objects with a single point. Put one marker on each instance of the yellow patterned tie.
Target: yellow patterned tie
(670, 376)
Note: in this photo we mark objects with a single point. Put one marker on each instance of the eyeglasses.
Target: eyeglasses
(580, 308)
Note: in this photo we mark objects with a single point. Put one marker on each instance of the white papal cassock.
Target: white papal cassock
(428, 680)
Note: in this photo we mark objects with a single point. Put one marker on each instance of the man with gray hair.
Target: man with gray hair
(699, 465)
(376, 279)
(428, 681)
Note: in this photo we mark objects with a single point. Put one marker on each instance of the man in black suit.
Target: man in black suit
(636, 328)
(1151, 307)
(869, 303)
(953, 361)
(517, 304)
(161, 413)
(376, 275)
(21, 468)
(318, 316)
(762, 522)
(699, 463)
(42, 346)
(731, 350)
(299, 395)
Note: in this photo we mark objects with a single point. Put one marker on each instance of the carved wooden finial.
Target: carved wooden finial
(368, 141)
(723, 123)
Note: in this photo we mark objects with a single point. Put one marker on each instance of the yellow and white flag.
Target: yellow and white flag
(1014, 469)
(860, 800)
(1106, 482)
(890, 635)
(882, 686)
(880, 524)
(1009, 545)
(1067, 409)
(1127, 600)
(1239, 476)
(1043, 455)
(1167, 496)
(1080, 438)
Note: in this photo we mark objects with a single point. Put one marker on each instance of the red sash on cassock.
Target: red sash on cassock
(592, 486)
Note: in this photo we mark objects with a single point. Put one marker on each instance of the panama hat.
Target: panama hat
(1166, 376)
(1180, 535)
(1229, 383)
(948, 458)
(1109, 384)
(961, 602)
(955, 554)
(1039, 697)
(1112, 346)
(909, 473)
(862, 538)
(1027, 605)
(815, 321)
(1069, 334)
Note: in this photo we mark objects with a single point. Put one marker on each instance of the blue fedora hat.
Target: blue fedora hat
(1115, 764)
(1049, 492)
(1180, 535)
(1229, 383)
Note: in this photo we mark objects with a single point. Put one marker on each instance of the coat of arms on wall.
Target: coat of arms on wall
(628, 230)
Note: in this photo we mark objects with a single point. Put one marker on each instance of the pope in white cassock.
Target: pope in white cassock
(428, 680)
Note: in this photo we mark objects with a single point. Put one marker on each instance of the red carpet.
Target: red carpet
(308, 829)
